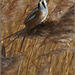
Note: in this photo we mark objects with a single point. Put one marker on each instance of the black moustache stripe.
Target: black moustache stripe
(43, 4)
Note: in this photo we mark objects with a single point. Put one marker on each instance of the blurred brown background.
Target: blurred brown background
(48, 48)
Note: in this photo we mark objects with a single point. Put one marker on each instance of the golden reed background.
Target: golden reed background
(48, 48)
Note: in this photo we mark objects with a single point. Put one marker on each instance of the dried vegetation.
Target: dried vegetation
(47, 49)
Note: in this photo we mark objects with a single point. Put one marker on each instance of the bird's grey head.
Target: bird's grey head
(42, 4)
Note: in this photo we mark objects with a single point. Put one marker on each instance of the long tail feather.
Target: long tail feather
(14, 34)
(11, 41)
(23, 38)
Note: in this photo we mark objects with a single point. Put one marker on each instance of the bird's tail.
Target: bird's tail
(25, 34)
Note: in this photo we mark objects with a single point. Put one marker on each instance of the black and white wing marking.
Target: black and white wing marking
(31, 15)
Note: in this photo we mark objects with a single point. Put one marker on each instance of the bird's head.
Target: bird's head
(42, 3)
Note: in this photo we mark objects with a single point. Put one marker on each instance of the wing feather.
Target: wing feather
(31, 15)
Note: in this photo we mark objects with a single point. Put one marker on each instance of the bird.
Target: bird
(36, 17)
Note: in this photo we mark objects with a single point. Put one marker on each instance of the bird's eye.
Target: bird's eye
(43, 4)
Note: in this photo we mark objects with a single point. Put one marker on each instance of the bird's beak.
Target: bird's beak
(40, 2)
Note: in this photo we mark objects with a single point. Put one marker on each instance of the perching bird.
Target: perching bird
(37, 16)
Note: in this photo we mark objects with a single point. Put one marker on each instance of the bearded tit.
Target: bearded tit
(38, 15)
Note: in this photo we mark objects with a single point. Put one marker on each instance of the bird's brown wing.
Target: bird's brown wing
(31, 15)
